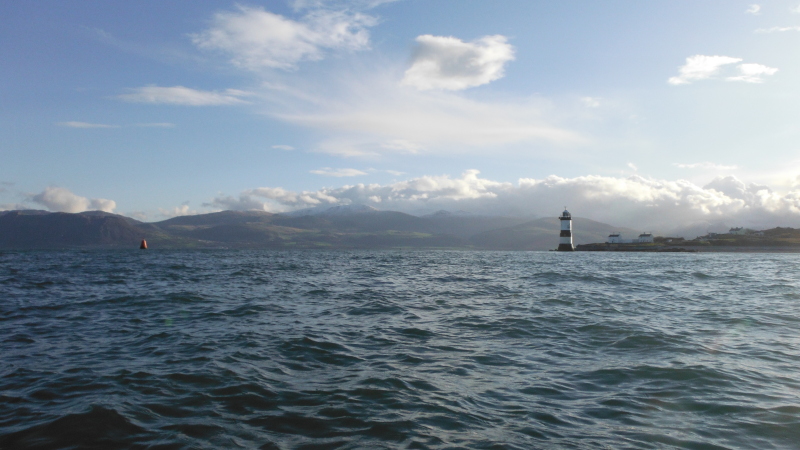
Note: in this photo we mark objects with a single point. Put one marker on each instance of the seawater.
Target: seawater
(398, 349)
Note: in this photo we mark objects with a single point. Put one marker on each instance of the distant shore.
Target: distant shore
(685, 249)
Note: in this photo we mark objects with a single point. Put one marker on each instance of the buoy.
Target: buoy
(143, 245)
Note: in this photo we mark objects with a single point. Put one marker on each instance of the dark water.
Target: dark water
(399, 349)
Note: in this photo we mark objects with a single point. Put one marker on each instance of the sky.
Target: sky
(656, 115)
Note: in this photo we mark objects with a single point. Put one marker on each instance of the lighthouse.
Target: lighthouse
(565, 241)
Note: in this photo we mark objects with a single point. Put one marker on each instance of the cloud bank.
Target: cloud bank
(451, 64)
(62, 200)
(636, 201)
(256, 39)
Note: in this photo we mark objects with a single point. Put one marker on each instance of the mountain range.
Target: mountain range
(337, 227)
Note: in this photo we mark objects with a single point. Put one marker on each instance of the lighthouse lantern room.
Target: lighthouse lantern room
(565, 241)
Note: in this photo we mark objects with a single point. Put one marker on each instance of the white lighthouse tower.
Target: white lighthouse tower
(565, 241)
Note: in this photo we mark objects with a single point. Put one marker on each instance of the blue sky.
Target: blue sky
(635, 113)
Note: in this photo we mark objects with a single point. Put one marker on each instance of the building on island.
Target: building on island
(645, 238)
(616, 238)
(565, 241)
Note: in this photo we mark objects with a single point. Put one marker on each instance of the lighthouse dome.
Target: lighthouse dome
(566, 214)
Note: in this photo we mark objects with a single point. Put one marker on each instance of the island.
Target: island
(739, 239)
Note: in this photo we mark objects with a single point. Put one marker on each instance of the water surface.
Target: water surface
(398, 349)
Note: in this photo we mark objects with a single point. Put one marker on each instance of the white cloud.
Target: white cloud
(706, 166)
(256, 39)
(299, 5)
(754, 10)
(778, 29)
(380, 119)
(448, 63)
(327, 171)
(86, 125)
(591, 102)
(632, 166)
(138, 215)
(283, 147)
(795, 10)
(155, 125)
(701, 67)
(62, 200)
(12, 206)
(402, 145)
(638, 202)
(180, 95)
(753, 73)
(177, 211)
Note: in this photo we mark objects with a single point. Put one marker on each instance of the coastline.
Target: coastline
(685, 249)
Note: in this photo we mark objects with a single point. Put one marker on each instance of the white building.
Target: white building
(615, 238)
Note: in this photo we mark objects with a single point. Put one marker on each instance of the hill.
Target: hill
(39, 229)
(333, 228)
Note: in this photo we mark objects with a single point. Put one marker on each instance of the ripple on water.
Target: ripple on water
(398, 349)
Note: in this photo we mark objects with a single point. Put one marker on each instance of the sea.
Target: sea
(398, 349)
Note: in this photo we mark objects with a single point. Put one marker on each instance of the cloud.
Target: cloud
(635, 201)
(753, 73)
(795, 10)
(271, 199)
(706, 166)
(177, 211)
(138, 215)
(754, 10)
(12, 207)
(86, 125)
(327, 171)
(632, 166)
(283, 147)
(778, 29)
(179, 95)
(402, 145)
(448, 63)
(375, 120)
(362, 110)
(62, 200)
(299, 5)
(591, 102)
(256, 39)
(155, 125)
(701, 67)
